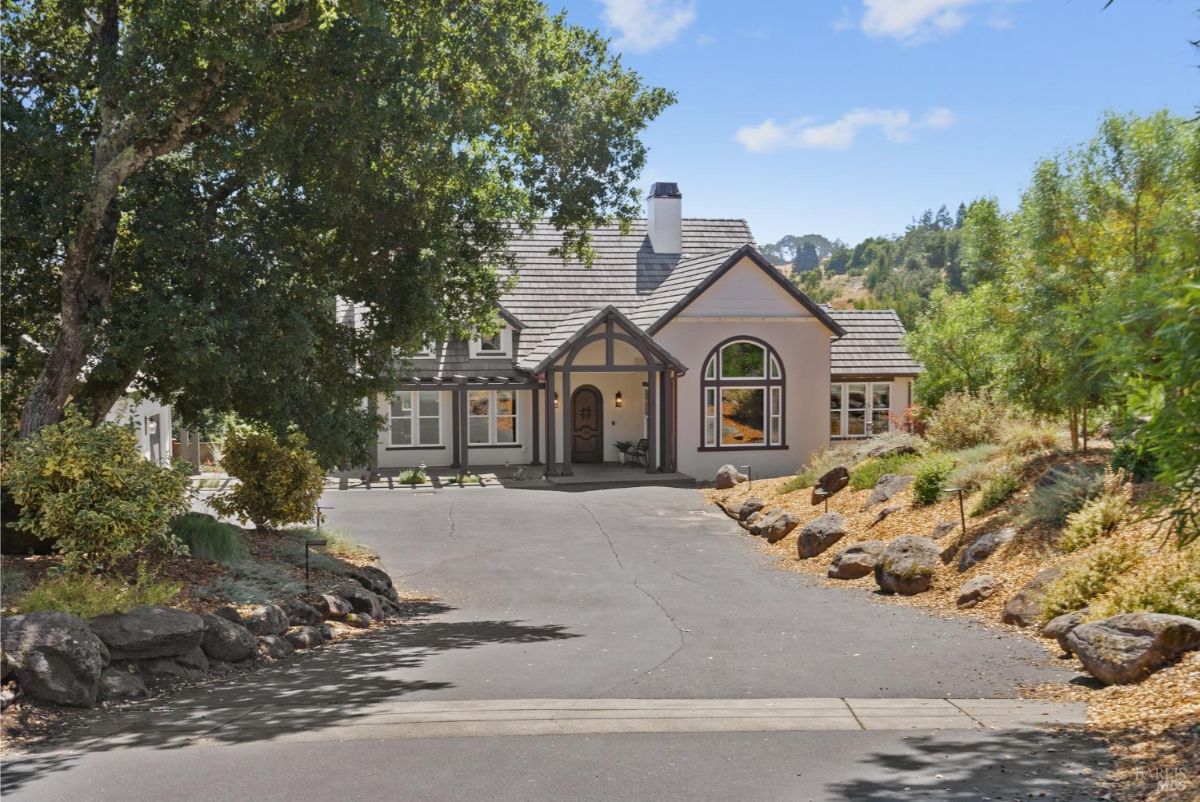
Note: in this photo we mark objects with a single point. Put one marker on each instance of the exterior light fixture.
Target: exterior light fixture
(618, 400)
(556, 400)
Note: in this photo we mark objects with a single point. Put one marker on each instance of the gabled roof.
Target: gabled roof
(686, 275)
(872, 346)
(576, 325)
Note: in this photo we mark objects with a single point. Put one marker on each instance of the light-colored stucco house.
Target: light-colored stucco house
(680, 334)
(150, 421)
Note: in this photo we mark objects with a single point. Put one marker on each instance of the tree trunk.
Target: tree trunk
(1085, 429)
(1074, 429)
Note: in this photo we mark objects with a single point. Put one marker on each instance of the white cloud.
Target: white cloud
(897, 125)
(914, 21)
(643, 25)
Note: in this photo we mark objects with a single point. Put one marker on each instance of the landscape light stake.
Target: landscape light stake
(962, 515)
(749, 479)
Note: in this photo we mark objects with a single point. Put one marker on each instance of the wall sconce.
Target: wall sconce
(556, 400)
(618, 400)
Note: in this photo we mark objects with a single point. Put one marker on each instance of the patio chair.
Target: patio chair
(638, 452)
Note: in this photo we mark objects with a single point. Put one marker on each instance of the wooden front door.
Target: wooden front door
(587, 425)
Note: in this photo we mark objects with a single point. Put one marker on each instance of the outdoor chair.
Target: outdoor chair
(638, 452)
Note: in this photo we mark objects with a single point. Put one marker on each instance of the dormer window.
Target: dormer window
(493, 345)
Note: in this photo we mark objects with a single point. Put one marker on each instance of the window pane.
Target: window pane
(856, 396)
(881, 395)
(835, 396)
(402, 431)
(835, 424)
(879, 421)
(710, 372)
(775, 371)
(506, 429)
(429, 431)
(776, 415)
(710, 431)
(477, 430)
(856, 423)
(493, 343)
(742, 416)
(430, 402)
(506, 402)
(477, 402)
(402, 405)
(743, 360)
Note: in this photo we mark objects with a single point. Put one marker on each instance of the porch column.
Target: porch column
(455, 447)
(536, 425)
(652, 420)
(566, 422)
(373, 410)
(464, 445)
(673, 411)
(549, 423)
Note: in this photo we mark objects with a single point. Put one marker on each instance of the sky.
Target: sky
(848, 119)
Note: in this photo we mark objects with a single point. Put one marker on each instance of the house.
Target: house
(681, 334)
(150, 421)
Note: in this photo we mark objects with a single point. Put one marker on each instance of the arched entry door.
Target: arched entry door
(587, 425)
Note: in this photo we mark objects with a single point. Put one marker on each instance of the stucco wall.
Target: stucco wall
(400, 457)
(136, 415)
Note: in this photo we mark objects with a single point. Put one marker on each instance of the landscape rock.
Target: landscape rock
(224, 640)
(1127, 647)
(116, 684)
(267, 619)
(333, 606)
(301, 614)
(856, 560)
(55, 657)
(361, 599)
(373, 579)
(775, 525)
(907, 565)
(883, 513)
(326, 632)
(819, 534)
(744, 509)
(189, 666)
(829, 484)
(228, 613)
(275, 646)
(983, 547)
(7, 697)
(975, 590)
(359, 620)
(943, 528)
(727, 477)
(146, 632)
(304, 637)
(888, 485)
(891, 450)
(1061, 626)
(1025, 608)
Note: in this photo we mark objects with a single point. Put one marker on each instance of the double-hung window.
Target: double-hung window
(859, 409)
(416, 419)
(491, 417)
(743, 389)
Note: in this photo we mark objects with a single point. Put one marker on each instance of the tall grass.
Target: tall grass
(252, 582)
(1059, 493)
(996, 489)
(1088, 578)
(867, 474)
(1098, 516)
(89, 595)
(1166, 582)
(337, 543)
(208, 538)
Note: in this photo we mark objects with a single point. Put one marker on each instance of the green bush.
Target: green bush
(278, 483)
(412, 476)
(1168, 582)
(996, 489)
(1088, 578)
(251, 582)
(1098, 516)
(1021, 439)
(1134, 460)
(88, 595)
(932, 473)
(89, 490)
(208, 538)
(1059, 493)
(865, 476)
(963, 420)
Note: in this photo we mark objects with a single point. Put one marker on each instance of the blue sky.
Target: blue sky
(848, 119)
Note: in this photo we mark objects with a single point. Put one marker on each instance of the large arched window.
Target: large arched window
(743, 395)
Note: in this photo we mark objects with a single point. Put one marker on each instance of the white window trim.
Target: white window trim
(505, 352)
(772, 388)
(492, 416)
(868, 409)
(415, 417)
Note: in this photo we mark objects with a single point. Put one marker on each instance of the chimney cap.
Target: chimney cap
(665, 189)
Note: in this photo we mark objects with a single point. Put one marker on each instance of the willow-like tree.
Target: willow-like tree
(190, 185)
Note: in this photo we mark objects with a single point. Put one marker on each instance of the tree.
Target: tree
(806, 258)
(957, 342)
(984, 248)
(190, 187)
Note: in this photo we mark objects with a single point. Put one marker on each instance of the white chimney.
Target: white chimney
(664, 218)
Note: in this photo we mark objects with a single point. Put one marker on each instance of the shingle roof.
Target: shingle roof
(872, 345)
(674, 288)
(577, 324)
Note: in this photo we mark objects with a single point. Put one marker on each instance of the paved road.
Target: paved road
(632, 595)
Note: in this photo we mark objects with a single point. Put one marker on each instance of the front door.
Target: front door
(587, 425)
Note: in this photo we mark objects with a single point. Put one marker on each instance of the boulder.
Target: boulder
(943, 528)
(975, 590)
(727, 477)
(1060, 626)
(819, 534)
(275, 646)
(883, 513)
(359, 620)
(227, 641)
(267, 619)
(983, 547)
(146, 632)
(891, 450)
(907, 565)
(326, 632)
(333, 606)
(7, 697)
(373, 579)
(301, 614)
(1127, 647)
(774, 526)
(888, 485)
(189, 666)
(1025, 608)
(361, 599)
(116, 685)
(55, 657)
(829, 484)
(304, 637)
(856, 560)
(228, 613)
(743, 510)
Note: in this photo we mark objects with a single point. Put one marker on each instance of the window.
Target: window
(493, 345)
(491, 417)
(743, 396)
(859, 409)
(416, 419)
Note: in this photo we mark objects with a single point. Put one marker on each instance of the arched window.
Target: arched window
(743, 395)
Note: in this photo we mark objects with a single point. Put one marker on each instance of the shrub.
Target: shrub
(932, 473)
(1135, 461)
(413, 476)
(1098, 516)
(251, 582)
(865, 476)
(279, 483)
(1059, 493)
(1165, 583)
(88, 489)
(88, 595)
(818, 465)
(208, 538)
(1027, 438)
(963, 420)
(1088, 578)
(996, 489)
